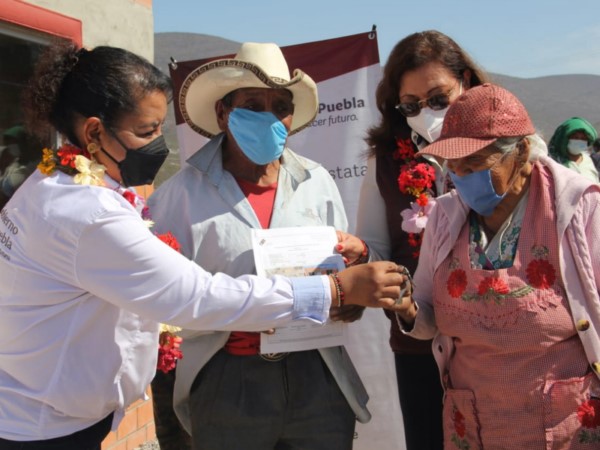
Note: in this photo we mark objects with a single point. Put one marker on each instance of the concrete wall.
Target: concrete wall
(120, 23)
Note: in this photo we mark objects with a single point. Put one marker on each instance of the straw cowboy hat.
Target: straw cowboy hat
(256, 65)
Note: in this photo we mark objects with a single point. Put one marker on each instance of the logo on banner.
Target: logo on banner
(345, 105)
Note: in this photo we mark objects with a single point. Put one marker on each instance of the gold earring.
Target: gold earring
(92, 148)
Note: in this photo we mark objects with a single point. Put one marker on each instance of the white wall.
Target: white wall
(119, 23)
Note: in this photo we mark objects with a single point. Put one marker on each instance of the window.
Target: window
(25, 30)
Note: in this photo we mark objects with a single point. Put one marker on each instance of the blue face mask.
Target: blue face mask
(477, 191)
(260, 135)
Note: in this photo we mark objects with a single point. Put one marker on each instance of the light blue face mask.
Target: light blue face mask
(260, 135)
(477, 191)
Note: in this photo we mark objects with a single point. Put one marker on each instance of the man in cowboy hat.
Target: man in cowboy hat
(227, 395)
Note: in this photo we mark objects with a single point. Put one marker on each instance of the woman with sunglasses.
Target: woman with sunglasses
(424, 74)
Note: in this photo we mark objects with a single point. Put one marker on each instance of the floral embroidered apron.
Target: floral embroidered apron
(519, 377)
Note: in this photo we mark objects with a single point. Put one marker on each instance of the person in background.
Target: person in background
(424, 74)
(20, 160)
(571, 146)
(507, 284)
(227, 394)
(84, 282)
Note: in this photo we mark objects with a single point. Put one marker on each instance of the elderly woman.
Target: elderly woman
(507, 284)
(571, 145)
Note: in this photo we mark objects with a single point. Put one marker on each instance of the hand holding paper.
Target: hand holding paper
(298, 252)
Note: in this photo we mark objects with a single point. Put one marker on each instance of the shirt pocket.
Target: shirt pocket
(572, 413)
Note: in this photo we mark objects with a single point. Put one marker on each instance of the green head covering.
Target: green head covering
(560, 138)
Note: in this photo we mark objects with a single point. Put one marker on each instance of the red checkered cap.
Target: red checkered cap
(477, 118)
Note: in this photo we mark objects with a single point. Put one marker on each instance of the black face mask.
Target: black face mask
(141, 165)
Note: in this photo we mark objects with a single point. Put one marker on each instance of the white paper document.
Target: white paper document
(297, 252)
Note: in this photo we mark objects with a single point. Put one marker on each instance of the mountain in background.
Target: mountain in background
(183, 47)
(550, 100)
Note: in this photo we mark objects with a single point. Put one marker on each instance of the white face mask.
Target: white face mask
(428, 123)
(577, 146)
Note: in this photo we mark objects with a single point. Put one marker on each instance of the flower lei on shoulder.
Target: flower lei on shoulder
(76, 162)
(416, 179)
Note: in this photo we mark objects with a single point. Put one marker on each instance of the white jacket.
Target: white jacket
(205, 208)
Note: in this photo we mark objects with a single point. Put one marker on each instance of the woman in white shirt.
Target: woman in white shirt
(83, 280)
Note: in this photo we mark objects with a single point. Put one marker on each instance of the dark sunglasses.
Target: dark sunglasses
(436, 102)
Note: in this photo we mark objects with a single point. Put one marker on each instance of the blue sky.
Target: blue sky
(521, 38)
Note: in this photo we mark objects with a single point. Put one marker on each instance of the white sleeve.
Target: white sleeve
(119, 260)
(371, 225)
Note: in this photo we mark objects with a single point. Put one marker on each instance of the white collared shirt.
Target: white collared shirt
(83, 283)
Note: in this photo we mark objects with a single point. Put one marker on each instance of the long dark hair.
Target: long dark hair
(410, 53)
(105, 82)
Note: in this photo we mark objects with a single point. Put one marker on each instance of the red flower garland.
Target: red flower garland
(67, 154)
(168, 351)
(170, 240)
(168, 342)
(64, 159)
(414, 179)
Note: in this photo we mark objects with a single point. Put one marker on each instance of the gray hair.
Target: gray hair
(537, 146)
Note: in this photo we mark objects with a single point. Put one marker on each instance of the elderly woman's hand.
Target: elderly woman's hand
(353, 249)
(405, 305)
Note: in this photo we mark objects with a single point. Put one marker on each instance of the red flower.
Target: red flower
(146, 213)
(540, 273)
(459, 423)
(170, 240)
(423, 199)
(588, 413)
(457, 283)
(67, 154)
(414, 239)
(493, 284)
(168, 351)
(415, 178)
(404, 149)
(130, 197)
